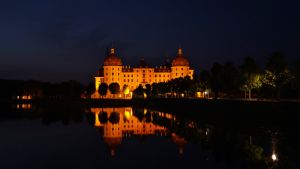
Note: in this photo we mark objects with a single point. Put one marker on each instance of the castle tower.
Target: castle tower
(180, 66)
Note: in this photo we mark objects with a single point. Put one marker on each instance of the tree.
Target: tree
(103, 87)
(216, 79)
(204, 79)
(296, 75)
(230, 78)
(250, 77)
(139, 91)
(114, 88)
(252, 81)
(148, 89)
(277, 67)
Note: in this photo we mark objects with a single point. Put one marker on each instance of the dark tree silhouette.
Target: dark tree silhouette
(277, 73)
(216, 79)
(230, 78)
(296, 74)
(148, 89)
(103, 87)
(114, 88)
(139, 91)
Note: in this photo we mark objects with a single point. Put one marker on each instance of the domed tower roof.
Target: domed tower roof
(112, 59)
(180, 60)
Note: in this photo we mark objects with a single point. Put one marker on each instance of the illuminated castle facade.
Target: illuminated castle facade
(113, 71)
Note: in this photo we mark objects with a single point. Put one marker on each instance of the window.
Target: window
(124, 80)
(131, 75)
(144, 71)
(112, 73)
(131, 80)
(181, 68)
(127, 75)
(181, 74)
(164, 75)
(154, 75)
(124, 75)
(159, 76)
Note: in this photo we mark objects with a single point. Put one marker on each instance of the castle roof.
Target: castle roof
(180, 60)
(112, 59)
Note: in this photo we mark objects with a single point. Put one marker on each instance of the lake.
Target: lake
(125, 137)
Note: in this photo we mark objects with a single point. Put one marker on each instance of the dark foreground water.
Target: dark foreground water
(33, 137)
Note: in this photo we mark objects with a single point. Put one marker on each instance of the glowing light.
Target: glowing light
(274, 157)
(127, 114)
(205, 92)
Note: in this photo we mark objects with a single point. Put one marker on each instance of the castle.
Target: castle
(113, 71)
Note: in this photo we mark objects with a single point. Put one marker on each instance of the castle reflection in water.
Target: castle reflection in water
(120, 123)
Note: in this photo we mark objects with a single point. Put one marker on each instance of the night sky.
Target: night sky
(57, 41)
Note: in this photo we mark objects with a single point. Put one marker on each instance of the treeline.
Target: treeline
(16, 89)
(275, 80)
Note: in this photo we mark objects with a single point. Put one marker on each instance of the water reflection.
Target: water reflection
(243, 146)
(247, 147)
(118, 123)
